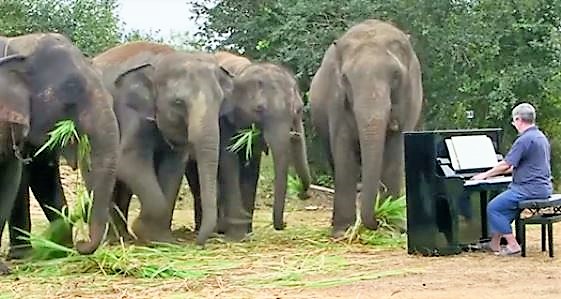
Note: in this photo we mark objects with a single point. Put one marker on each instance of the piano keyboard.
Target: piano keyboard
(493, 180)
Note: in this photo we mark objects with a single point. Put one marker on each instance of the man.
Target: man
(529, 161)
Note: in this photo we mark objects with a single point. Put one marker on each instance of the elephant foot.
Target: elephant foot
(4, 270)
(304, 195)
(221, 227)
(236, 235)
(19, 252)
(339, 233)
(279, 226)
(151, 233)
(116, 237)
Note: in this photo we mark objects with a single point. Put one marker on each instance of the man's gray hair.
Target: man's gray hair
(525, 112)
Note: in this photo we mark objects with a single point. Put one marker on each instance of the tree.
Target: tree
(91, 24)
(481, 55)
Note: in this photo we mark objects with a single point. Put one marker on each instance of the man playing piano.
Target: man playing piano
(529, 162)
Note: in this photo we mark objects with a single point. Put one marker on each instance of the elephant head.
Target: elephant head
(50, 80)
(377, 81)
(267, 95)
(183, 93)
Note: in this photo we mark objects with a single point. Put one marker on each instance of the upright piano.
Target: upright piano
(446, 211)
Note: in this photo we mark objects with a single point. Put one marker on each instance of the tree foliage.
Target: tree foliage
(91, 24)
(481, 55)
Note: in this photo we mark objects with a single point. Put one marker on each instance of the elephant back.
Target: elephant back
(120, 59)
(234, 64)
(371, 35)
(124, 52)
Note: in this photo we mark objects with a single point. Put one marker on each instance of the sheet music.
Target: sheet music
(452, 152)
(472, 152)
(493, 180)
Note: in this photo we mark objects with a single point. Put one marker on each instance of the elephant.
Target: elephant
(42, 175)
(167, 104)
(366, 92)
(267, 96)
(34, 100)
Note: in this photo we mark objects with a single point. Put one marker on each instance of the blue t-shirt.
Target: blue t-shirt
(530, 158)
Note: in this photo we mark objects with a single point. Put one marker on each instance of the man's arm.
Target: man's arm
(501, 168)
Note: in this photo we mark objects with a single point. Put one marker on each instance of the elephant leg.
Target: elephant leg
(230, 194)
(44, 180)
(45, 183)
(346, 178)
(392, 172)
(10, 178)
(20, 220)
(170, 173)
(136, 170)
(192, 176)
(249, 176)
(120, 212)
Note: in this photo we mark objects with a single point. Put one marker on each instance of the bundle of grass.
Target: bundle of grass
(391, 216)
(54, 241)
(245, 140)
(295, 187)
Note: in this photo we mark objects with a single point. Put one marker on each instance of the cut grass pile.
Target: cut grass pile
(299, 256)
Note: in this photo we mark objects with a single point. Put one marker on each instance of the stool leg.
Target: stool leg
(550, 238)
(523, 237)
(543, 237)
(517, 228)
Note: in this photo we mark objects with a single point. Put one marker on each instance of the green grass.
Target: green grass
(60, 136)
(245, 140)
(391, 217)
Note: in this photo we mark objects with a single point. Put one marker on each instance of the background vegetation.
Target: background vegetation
(480, 55)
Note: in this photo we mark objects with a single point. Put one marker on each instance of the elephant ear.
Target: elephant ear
(342, 83)
(226, 81)
(136, 87)
(14, 95)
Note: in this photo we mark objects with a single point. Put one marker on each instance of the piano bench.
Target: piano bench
(544, 212)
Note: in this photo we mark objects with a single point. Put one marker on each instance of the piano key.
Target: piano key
(493, 180)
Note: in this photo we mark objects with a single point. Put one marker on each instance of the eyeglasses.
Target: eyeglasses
(514, 120)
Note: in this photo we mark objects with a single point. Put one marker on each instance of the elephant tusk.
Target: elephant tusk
(295, 134)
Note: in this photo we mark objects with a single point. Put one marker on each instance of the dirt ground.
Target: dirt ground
(383, 272)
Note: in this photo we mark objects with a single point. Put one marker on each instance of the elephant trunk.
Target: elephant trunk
(277, 137)
(299, 155)
(372, 135)
(100, 125)
(206, 151)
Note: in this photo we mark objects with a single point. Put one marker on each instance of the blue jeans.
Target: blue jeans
(502, 210)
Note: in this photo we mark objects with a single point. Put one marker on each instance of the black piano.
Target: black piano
(446, 211)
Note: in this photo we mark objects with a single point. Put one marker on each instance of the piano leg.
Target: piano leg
(483, 204)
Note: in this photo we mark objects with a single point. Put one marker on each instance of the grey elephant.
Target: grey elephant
(167, 104)
(34, 100)
(366, 92)
(267, 96)
(41, 174)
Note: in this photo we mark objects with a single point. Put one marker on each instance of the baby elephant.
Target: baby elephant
(267, 96)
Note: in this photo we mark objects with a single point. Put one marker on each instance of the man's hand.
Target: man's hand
(501, 168)
(479, 176)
